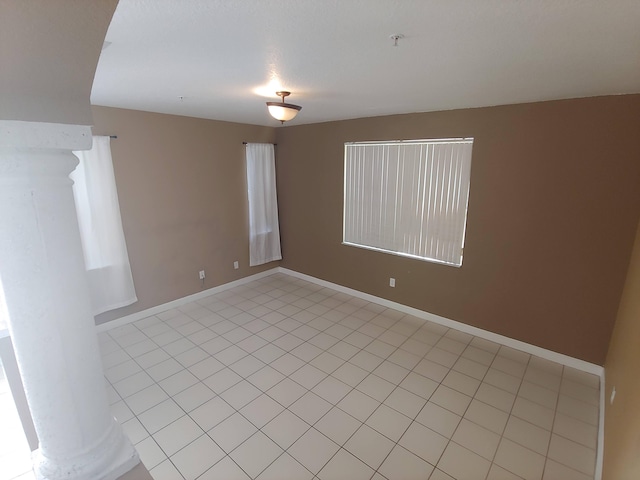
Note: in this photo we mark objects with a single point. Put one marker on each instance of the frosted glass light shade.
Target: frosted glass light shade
(283, 111)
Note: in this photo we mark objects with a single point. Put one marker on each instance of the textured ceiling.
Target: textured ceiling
(336, 57)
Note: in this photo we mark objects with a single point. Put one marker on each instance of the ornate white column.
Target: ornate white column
(51, 325)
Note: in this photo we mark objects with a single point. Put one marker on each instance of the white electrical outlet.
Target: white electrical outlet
(236, 265)
(392, 282)
(613, 395)
(201, 274)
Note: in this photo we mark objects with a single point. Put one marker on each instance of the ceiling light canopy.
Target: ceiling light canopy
(283, 111)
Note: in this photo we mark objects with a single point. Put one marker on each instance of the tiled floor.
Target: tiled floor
(283, 379)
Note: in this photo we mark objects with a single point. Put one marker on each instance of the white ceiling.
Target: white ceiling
(336, 57)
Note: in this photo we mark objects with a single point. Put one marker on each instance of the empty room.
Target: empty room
(319, 240)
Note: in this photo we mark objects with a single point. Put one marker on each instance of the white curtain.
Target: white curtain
(103, 243)
(264, 231)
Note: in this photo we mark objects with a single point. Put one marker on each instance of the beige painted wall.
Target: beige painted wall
(182, 190)
(622, 419)
(49, 51)
(553, 207)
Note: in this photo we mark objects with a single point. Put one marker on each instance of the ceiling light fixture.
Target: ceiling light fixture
(283, 111)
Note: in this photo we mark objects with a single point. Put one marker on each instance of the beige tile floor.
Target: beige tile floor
(283, 379)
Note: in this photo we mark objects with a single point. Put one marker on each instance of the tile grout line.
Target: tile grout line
(227, 366)
(324, 350)
(450, 439)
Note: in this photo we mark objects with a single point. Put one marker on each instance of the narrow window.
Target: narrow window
(264, 232)
(105, 250)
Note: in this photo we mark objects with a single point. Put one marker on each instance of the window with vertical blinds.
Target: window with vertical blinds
(408, 197)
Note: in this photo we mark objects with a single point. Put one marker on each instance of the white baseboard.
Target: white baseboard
(600, 451)
(134, 317)
(463, 327)
(494, 337)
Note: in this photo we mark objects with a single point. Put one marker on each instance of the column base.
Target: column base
(109, 460)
